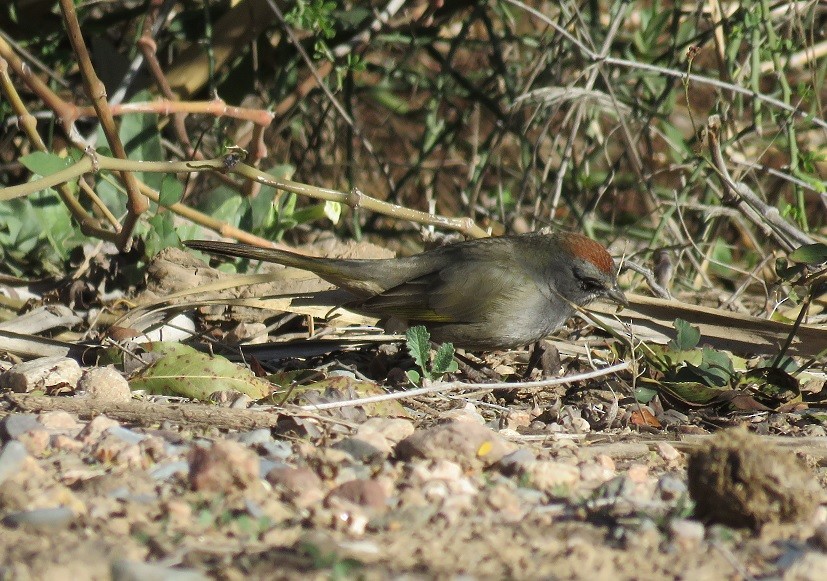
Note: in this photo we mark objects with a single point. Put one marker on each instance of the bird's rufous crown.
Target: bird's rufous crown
(587, 249)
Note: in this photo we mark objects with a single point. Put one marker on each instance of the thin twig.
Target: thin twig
(444, 387)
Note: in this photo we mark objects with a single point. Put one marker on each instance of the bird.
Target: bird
(483, 294)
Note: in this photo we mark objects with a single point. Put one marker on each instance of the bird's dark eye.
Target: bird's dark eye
(591, 285)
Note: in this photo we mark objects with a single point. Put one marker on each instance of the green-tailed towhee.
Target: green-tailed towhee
(489, 293)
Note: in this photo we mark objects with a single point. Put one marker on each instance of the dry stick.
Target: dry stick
(381, 18)
(634, 156)
(229, 164)
(88, 164)
(148, 413)
(749, 278)
(66, 113)
(762, 215)
(216, 108)
(805, 306)
(96, 92)
(444, 387)
(151, 27)
(647, 274)
(356, 199)
(335, 102)
(593, 56)
(340, 51)
(631, 148)
(593, 75)
(35, 61)
(148, 47)
(89, 225)
(799, 59)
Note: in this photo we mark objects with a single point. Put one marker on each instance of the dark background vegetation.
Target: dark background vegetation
(576, 115)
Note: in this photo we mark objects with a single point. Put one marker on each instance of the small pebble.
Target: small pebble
(169, 469)
(260, 436)
(276, 449)
(105, 384)
(41, 518)
(225, 467)
(671, 487)
(95, 429)
(36, 441)
(127, 436)
(466, 442)
(58, 420)
(516, 461)
(468, 413)
(667, 451)
(301, 486)
(550, 476)
(123, 570)
(360, 450)
(46, 373)
(15, 425)
(11, 459)
(687, 534)
(638, 473)
(365, 493)
(394, 429)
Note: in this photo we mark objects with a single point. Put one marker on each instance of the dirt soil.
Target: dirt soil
(448, 488)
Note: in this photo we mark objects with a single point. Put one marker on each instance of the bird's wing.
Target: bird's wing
(454, 294)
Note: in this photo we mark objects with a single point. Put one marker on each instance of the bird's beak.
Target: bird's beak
(615, 294)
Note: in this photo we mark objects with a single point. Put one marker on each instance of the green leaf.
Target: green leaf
(810, 254)
(141, 139)
(691, 392)
(717, 364)
(444, 360)
(418, 340)
(181, 370)
(786, 271)
(645, 394)
(162, 233)
(687, 336)
(44, 164)
(333, 211)
(171, 190)
(413, 376)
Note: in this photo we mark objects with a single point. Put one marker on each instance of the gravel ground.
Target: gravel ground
(451, 495)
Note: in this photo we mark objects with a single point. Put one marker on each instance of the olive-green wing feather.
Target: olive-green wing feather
(461, 293)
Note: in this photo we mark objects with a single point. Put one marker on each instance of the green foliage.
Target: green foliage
(171, 191)
(181, 370)
(795, 267)
(702, 376)
(687, 336)
(37, 230)
(316, 16)
(419, 346)
(340, 567)
(811, 254)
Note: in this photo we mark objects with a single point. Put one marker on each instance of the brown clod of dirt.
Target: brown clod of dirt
(742, 480)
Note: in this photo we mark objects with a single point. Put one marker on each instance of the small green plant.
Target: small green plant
(340, 567)
(700, 376)
(419, 343)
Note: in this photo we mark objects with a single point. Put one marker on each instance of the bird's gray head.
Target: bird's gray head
(589, 273)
